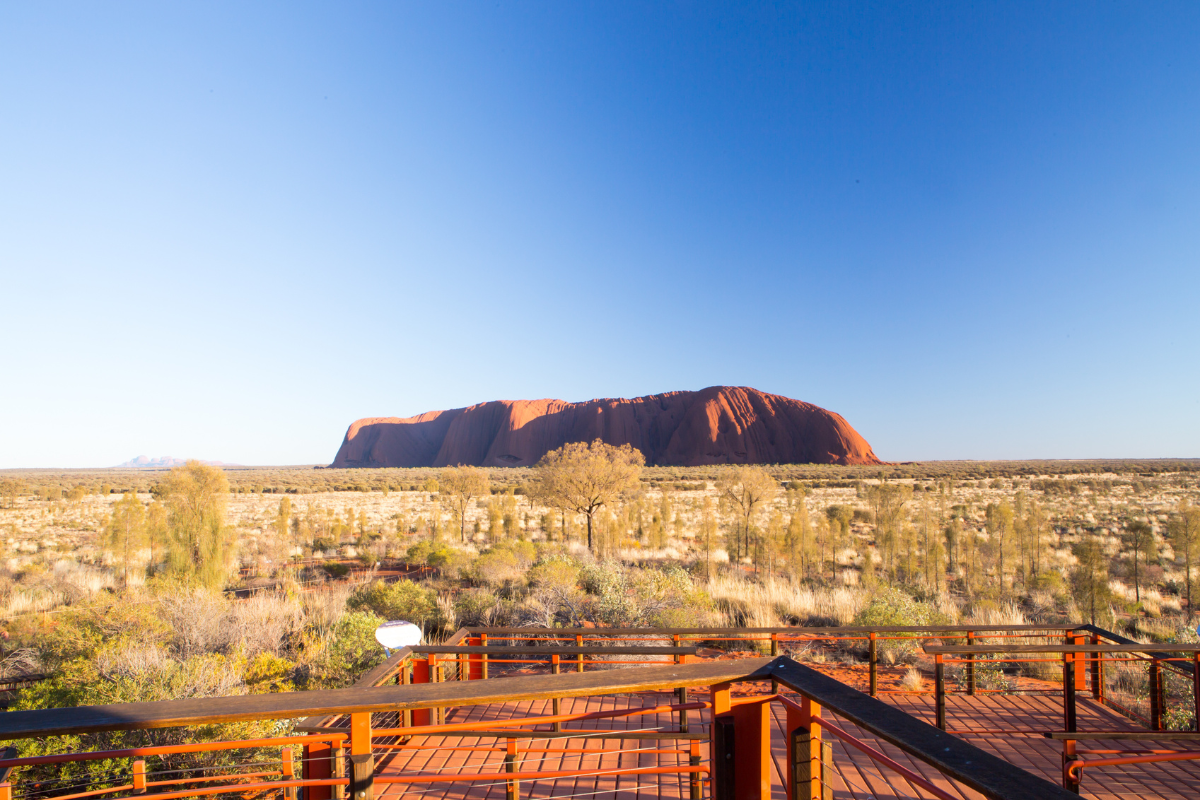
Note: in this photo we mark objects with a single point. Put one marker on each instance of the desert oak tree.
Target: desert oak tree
(457, 487)
(585, 477)
(744, 489)
(200, 545)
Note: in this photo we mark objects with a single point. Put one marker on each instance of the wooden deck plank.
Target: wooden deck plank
(857, 777)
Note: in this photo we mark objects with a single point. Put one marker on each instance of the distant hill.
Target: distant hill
(718, 425)
(164, 462)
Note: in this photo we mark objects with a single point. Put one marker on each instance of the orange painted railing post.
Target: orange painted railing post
(721, 739)
(556, 668)
(808, 753)
(475, 662)
(287, 770)
(1070, 781)
(421, 674)
(316, 763)
(5, 791)
(510, 765)
(139, 777)
(681, 692)
(483, 660)
(362, 762)
(1080, 664)
(752, 753)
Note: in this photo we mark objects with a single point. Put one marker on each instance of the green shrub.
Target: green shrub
(400, 600)
(351, 650)
(475, 607)
(335, 570)
(892, 608)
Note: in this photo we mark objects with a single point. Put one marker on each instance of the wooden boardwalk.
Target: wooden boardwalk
(1007, 725)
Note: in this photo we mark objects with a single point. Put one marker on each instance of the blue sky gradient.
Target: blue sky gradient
(227, 232)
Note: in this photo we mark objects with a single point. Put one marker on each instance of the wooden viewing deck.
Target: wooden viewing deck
(553, 713)
(855, 775)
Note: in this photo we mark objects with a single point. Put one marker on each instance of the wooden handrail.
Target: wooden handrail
(988, 774)
(1119, 639)
(289, 705)
(1056, 629)
(965, 649)
(561, 651)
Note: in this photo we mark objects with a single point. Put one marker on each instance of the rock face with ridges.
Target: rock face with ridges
(718, 425)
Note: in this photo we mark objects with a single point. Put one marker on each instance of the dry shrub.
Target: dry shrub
(912, 681)
(774, 603)
(325, 605)
(261, 624)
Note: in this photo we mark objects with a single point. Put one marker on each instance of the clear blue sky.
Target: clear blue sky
(227, 230)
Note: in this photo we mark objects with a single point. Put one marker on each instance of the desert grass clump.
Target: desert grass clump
(912, 680)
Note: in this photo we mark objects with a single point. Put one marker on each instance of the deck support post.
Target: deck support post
(1071, 784)
(1097, 672)
(579, 659)
(1080, 663)
(694, 761)
(421, 674)
(939, 689)
(483, 659)
(513, 787)
(337, 766)
(808, 753)
(1156, 694)
(362, 762)
(970, 658)
(720, 745)
(1069, 693)
(139, 777)
(752, 759)
(681, 692)
(287, 772)
(556, 669)
(1196, 688)
(873, 661)
(774, 653)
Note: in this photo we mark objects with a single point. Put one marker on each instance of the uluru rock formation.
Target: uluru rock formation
(717, 425)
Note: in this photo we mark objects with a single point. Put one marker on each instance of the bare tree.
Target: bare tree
(457, 487)
(584, 478)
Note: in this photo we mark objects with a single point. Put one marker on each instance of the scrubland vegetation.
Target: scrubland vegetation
(121, 585)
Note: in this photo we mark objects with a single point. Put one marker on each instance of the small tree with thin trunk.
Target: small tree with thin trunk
(1089, 578)
(1185, 536)
(584, 478)
(126, 530)
(457, 488)
(744, 490)
(1141, 540)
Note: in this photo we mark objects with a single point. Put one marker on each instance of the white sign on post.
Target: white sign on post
(396, 634)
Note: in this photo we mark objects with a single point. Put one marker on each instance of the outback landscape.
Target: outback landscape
(1000, 542)
(564, 401)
